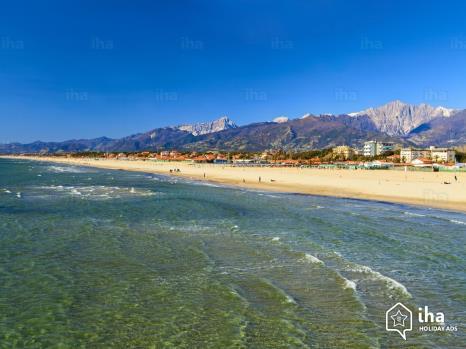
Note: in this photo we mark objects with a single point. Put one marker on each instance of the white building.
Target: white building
(408, 155)
(374, 148)
(370, 148)
(442, 154)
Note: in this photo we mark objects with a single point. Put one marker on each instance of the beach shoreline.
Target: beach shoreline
(413, 188)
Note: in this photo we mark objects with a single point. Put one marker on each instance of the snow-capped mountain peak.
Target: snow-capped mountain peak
(202, 128)
(447, 112)
(281, 119)
(397, 118)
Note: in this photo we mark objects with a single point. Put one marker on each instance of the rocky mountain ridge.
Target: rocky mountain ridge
(415, 125)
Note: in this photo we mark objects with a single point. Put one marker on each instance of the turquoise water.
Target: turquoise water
(95, 258)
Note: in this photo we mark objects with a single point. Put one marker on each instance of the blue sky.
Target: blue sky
(82, 69)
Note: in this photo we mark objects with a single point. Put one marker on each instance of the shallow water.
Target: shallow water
(112, 259)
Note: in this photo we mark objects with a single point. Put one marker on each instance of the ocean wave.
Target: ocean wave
(67, 169)
(257, 192)
(349, 284)
(314, 207)
(94, 192)
(280, 291)
(262, 266)
(194, 182)
(447, 219)
(375, 275)
(457, 221)
(152, 178)
(312, 259)
(414, 214)
(290, 299)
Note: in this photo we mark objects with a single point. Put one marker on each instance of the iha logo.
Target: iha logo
(399, 319)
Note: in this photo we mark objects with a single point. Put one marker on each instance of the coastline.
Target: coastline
(412, 188)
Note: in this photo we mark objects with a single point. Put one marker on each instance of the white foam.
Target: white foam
(67, 169)
(75, 192)
(392, 284)
(414, 214)
(457, 222)
(276, 238)
(96, 192)
(349, 284)
(310, 258)
(18, 195)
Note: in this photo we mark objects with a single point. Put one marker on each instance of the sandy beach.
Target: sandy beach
(418, 188)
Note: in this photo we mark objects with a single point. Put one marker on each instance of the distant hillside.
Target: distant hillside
(311, 132)
(420, 125)
(97, 144)
(301, 134)
(441, 131)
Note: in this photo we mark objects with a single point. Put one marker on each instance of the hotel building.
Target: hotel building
(407, 155)
(374, 148)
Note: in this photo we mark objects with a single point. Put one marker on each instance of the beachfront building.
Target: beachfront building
(385, 147)
(408, 155)
(343, 151)
(374, 148)
(370, 148)
(442, 154)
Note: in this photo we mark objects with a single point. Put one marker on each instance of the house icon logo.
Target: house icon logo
(399, 319)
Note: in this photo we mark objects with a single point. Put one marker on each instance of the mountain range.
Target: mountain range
(415, 125)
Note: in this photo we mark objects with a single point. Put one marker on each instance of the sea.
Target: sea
(96, 258)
